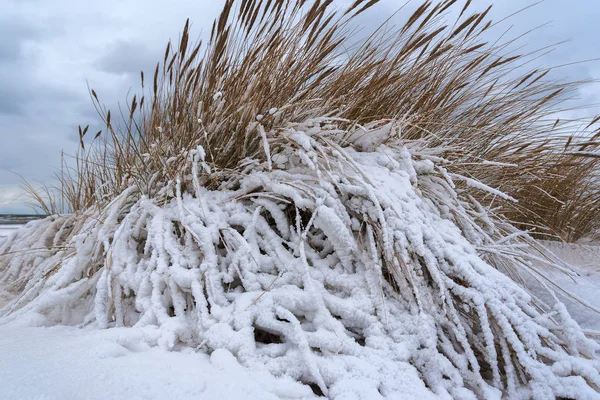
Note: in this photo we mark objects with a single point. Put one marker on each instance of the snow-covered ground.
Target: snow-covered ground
(66, 363)
(52, 363)
(6, 230)
(585, 261)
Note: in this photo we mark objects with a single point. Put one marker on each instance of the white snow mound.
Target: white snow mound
(358, 273)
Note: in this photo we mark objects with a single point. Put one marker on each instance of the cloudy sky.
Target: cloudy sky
(51, 49)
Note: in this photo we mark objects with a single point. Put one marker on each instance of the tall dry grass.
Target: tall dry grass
(278, 63)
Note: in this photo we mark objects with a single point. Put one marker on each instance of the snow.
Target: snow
(6, 230)
(484, 187)
(285, 274)
(64, 362)
(584, 259)
(58, 363)
(61, 362)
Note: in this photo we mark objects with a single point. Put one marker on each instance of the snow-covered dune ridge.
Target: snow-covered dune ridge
(360, 268)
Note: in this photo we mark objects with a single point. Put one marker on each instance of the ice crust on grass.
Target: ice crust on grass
(365, 274)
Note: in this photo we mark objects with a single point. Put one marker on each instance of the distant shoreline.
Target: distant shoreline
(19, 219)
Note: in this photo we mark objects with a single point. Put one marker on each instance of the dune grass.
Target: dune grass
(284, 63)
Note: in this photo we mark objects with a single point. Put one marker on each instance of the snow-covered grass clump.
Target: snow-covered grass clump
(337, 267)
(345, 215)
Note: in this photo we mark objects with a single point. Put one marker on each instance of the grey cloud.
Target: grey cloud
(19, 93)
(12, 35)
(18, 88)
(127, 57)
(10, 103)
(9, 49)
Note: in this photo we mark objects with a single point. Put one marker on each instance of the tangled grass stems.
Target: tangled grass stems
(326, 257)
